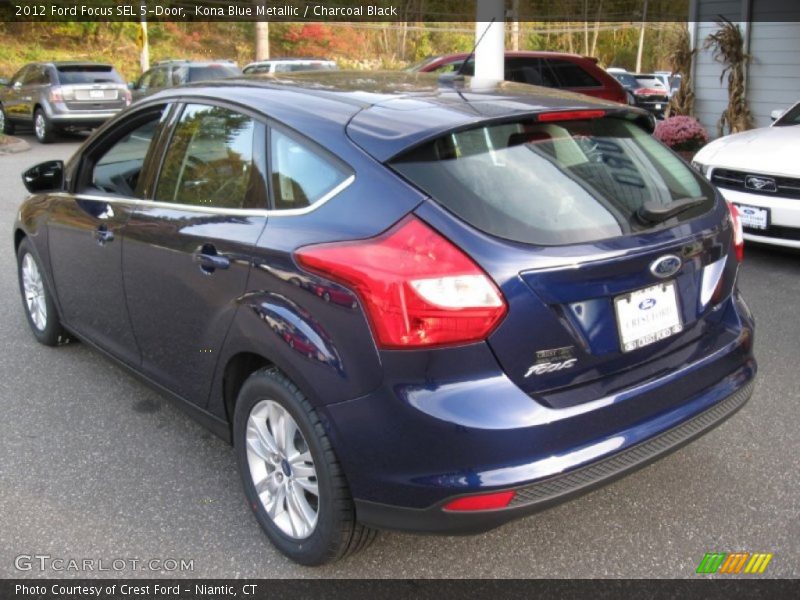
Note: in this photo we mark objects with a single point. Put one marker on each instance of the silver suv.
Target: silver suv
(60, 95)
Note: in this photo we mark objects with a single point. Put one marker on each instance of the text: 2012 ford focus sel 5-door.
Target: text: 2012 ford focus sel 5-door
(409, 306)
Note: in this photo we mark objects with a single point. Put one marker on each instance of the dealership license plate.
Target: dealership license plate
(753, 217)
(647, 316)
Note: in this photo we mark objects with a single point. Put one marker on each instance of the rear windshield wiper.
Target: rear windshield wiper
(655, 212)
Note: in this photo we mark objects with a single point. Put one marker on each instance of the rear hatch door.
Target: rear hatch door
(611, 252)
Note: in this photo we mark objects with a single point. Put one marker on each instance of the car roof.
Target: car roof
(522, 54)
(194, 63)
(387, 112)
(76, 63)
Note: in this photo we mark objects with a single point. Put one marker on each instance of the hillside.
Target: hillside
(360, 46)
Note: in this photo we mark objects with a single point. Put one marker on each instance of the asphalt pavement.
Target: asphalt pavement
(96, 465)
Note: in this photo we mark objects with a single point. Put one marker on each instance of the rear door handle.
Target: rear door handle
(209, 260)
(102, 235)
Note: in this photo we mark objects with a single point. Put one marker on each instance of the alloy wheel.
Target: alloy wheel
(282, 469)
(39, 126)
(33, 286)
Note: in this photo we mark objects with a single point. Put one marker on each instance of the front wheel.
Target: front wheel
(37, 300)
(291, 477)
(42, 127)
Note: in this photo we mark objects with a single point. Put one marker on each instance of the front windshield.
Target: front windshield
(790, 117)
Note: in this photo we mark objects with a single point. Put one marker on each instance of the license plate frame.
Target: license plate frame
(754, 217)
(637, 327)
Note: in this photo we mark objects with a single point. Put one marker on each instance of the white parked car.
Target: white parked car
(759, 172)
(289, 65)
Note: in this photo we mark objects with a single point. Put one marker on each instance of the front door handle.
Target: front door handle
(208, 259)
(102, 235)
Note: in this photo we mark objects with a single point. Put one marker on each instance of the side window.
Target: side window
(158, 78)
(31, 75)
(525, 70)
(301, 175)
(179, 75)
(118, 169)
(209, 161)
(19, 76)
(571, 75)
(37, 76)
(144, 81)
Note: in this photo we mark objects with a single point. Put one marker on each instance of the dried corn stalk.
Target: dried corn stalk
(679, 57)
(728, 49)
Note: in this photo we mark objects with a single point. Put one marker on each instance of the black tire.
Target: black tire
(53, 333)
(8, 126)
(48, 134)
(336, 533)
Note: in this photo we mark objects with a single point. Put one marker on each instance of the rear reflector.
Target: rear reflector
(571, 115)
(418, 288)
(481, 502)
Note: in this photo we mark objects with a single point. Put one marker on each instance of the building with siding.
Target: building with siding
(771, 29)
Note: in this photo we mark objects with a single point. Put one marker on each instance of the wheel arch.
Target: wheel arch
(238, 368)
(19, 235)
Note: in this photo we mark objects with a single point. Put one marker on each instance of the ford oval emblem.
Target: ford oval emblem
(665, 266)
(647, 304)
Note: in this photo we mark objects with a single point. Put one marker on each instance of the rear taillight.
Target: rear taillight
(419, 290)
(126, 95)
(60, 94)
(738, 232)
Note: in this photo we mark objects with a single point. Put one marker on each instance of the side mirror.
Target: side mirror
(776, 114)
(45, 177)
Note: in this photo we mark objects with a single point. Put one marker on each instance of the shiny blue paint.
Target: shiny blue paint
(410, 428)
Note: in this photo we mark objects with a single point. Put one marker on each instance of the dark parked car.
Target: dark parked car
(546, 295)
(57, 95)
(644, 91)
(172, 73)
(550, 69)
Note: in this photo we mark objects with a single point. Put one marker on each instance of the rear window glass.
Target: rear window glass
(626, 79)
(212, 72)
(555, 183)
(87, 74)
(651, 82)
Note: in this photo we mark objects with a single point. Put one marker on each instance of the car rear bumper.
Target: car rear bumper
(409, 449)
(784, 217)
(546, 492)
(83, 118)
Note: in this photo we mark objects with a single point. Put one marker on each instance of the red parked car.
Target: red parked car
(550, 69)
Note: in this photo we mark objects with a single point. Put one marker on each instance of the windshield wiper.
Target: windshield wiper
(655, 212)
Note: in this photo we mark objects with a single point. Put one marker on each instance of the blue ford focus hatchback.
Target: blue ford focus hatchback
(412, 305)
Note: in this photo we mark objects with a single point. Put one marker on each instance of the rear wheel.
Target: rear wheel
(42, 127)
(6, 126)
(291, 476)
(37, 300)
